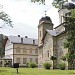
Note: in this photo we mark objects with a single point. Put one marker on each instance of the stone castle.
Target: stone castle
(51, 40)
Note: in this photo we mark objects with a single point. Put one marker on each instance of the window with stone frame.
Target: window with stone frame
(36, 51)
(36, 60)
(24, 50)
(30, 51)
(18, 50)
(18, 60)
(24, 60)
(30, 59)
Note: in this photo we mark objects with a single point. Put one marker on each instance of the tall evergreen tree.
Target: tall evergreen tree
(2, 51)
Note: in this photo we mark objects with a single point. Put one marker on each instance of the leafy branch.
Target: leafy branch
(6, 19)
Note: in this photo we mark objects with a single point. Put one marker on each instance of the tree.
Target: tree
(53, 58)
(2, 51)
(58, 3)
(42, 1)
(5, 17)
(55, 3)
(70, 44)
(63, 58)
(7, 21)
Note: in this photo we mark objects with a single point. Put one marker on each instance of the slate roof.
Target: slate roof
(23, 40)
(53, 32)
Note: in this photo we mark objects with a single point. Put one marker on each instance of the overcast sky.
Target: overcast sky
(25, 16)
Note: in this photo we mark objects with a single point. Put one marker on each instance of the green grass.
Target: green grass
(34, 71)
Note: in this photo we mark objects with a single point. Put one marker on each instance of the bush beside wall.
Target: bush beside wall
(47, 65)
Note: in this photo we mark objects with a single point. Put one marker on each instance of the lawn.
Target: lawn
(35, 71)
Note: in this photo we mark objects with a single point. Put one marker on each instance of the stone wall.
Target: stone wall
(60, 48)
(48, 48)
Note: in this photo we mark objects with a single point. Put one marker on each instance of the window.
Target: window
(48, 53)
(18, 60)
(30, 59)
(36, 60)
(36, 51)
(24, 60)
(18, 50)
(30, 51)
(24, 50)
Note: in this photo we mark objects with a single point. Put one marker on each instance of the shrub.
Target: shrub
(62, 66)
(27, 64)
(47, 65)
(63, 58)
(32, 65)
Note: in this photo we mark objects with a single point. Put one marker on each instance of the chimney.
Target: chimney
(26, 37)
(21, 40)
(33, 41)
(18, 35)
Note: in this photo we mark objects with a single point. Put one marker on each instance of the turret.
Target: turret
(44, 23)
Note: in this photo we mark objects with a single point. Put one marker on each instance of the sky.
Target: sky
(26, 15)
